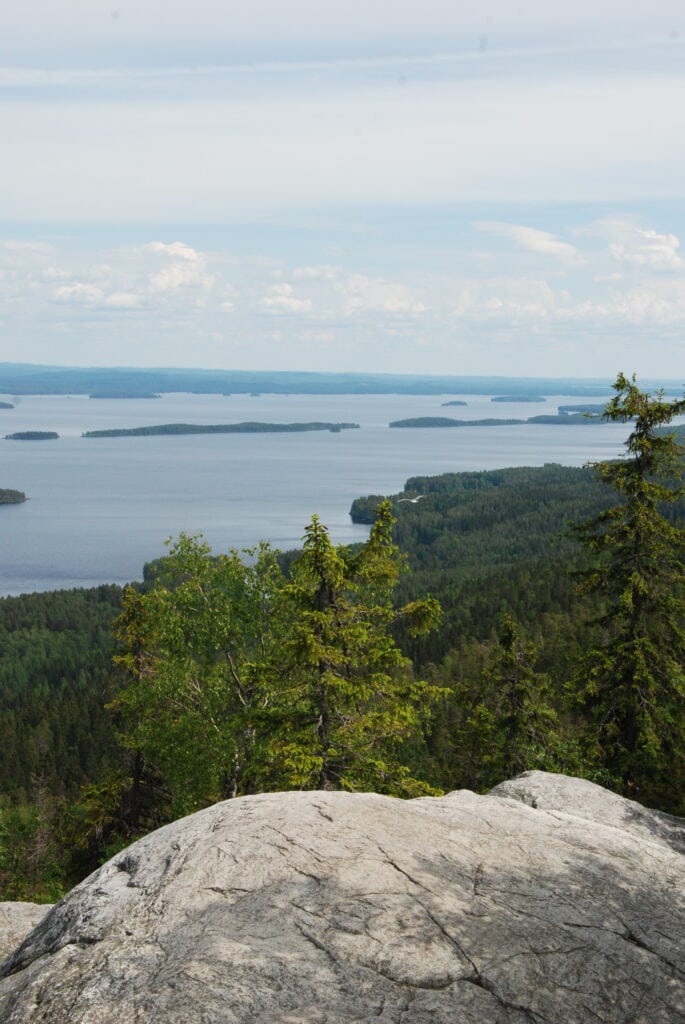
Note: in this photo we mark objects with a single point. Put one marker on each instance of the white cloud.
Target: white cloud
(363, 294)
(533, 240)
(123, 300)
(281, 299)
(80, 293)
(186, 267)
(324, 272)
(648, 248)
(176, 249)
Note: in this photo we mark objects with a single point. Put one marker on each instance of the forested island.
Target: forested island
(6, 405)
(518, 398)
(456, 401)
(32, 435)
(566, 420)
(593, 410)
(10, 497)
(122, 394)
(445, 421)
(163, 429)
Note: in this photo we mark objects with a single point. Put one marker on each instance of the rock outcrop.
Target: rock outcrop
(550, 901)
(16, 921)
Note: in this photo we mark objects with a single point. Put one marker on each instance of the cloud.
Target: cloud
(363, 294)
(282, 299)
(123, 300)
(80, 293)
(186, 267)
(634, 245)
(648, 248)
(533, 240)
(176, 249)
(324, 272)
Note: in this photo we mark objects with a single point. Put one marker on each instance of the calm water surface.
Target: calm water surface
(100, 508)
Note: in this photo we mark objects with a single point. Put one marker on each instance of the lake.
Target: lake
(100, 508)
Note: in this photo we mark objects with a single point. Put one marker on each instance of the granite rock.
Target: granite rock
(549, 901)
(16, 921)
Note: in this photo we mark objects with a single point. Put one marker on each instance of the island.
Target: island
(456, 401)
(444, 421)
(579, 419)
(10, 497)
(6, 405)
(220, 428)
(518, 398)
(32, 435)
(122, 394)
(594, 410)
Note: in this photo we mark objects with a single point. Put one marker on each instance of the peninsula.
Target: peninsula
(220, 428)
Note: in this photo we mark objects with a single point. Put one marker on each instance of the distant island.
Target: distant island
(455, 402)
(10, 497)
(220, 428)
(444, 421)
(593, 410)
(518, 398)
(32, 435)
(6, 405)
(122, 394)
(565, 420)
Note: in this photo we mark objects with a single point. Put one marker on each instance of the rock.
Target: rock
(16, 921)
(549, 901)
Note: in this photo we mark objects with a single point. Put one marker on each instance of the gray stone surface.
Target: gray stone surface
(16, 921)
(549, 901)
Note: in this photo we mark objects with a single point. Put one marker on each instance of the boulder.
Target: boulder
(549, 901)
(16, 921)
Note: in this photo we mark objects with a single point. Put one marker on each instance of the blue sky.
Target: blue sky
(344, 186)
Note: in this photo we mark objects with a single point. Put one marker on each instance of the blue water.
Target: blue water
(100, 508)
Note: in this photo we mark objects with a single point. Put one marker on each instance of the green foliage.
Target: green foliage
(197, 648)
(631, 685)
(351, 698)
(242, 680)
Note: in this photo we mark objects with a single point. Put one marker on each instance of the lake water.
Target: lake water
(100, 508)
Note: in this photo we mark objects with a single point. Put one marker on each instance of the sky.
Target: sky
(439, 187)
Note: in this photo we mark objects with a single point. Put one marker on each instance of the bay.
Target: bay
(100, 508)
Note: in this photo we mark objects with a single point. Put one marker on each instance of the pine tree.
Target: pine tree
(631, 685)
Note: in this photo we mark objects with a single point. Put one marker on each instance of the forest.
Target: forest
(510, 619)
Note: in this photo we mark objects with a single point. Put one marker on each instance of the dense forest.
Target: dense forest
(478, 633)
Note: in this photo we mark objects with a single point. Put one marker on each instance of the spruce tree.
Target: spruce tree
(631, 683)
(349, 698)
